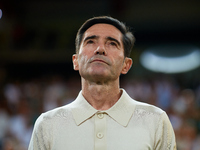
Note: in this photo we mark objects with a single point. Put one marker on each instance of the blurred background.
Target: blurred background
(36, 73)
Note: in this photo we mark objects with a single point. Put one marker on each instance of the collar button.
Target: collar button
(100, 115)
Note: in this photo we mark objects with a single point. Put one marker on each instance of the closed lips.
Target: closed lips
(102, 59)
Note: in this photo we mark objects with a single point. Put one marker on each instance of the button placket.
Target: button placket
(100, 131)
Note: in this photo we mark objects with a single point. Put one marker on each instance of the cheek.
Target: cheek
(86, 50)
(119, 58)
(83, 59)
(119, 62)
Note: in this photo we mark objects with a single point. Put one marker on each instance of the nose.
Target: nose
(100, 50)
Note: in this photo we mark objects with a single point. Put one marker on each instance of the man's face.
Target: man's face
(101, 54)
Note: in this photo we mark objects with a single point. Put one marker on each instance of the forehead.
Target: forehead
(104, 30)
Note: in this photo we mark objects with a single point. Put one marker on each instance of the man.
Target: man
(103, 116)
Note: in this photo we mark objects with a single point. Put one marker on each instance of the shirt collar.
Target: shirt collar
(121, 112)
(123, 109)
(81, 109)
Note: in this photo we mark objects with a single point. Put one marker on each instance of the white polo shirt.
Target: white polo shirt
(128, 125)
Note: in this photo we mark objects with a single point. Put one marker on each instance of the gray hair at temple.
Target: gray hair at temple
(128, 38)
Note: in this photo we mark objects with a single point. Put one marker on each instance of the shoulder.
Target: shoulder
(152, 116)
(139, 106)
(150, 113)
(54, 115)
(148, 108)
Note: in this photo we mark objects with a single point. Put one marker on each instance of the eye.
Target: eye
(90, 42)
(113, 43)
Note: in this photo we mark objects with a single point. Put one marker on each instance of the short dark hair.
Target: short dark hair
(127, 39)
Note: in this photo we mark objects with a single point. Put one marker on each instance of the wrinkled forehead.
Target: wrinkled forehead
(103, 30)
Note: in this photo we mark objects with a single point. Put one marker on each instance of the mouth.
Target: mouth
(99, 60)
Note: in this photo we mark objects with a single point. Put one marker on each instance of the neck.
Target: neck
(101, 96)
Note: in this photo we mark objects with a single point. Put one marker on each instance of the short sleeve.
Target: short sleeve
(38, 141)
(165, 137)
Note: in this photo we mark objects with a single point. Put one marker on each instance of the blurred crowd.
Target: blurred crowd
(21, 102)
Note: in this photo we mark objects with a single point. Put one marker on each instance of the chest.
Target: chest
(103, 134)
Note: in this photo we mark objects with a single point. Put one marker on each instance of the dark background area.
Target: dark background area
(38, 36)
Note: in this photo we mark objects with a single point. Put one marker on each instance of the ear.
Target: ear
(127, 65)
(75, 61)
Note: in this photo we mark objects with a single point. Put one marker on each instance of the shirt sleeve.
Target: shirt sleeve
(38, 141)
(165, 137)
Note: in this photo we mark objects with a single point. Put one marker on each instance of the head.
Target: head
(127, 37)
(103, 46)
